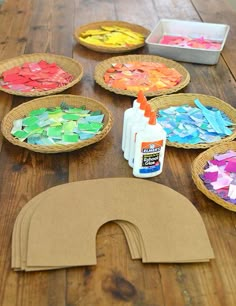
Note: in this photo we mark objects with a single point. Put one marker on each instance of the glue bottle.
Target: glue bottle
(149, 149)
(138, 126)
(129, 113)
(137, 116)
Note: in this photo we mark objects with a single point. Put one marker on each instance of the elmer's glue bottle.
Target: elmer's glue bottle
(138, 126)
(149, 149)
(137, 116)
(129, 113)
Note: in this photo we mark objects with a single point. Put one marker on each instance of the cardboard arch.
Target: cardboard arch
(160, 224)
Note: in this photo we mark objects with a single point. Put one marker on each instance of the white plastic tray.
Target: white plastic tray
(213, 31)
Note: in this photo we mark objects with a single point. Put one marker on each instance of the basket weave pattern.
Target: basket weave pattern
(96, 25)
(101, 68)
(66, 63)
(198, 168)
(181, 99)
(52, 101)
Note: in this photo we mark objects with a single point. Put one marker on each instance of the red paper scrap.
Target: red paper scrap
(182, 41)
(35, 76)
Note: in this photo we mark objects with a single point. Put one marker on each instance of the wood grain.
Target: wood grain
(217, 11)
(48, 26)
(14, 27)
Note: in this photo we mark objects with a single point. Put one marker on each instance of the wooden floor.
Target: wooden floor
(28, 26)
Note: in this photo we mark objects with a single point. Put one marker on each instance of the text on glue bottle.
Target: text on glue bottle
(149, 149)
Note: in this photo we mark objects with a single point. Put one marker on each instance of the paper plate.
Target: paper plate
(97, 25)
(66, 63)
(198, 168)
(101, 68)
(188, 98)
(51, 101)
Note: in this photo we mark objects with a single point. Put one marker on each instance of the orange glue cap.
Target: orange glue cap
(140, 96)
(147, 112)
(143, 101)
(153, 118)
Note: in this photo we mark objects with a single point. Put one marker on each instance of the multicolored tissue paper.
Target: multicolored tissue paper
(58, 125)
(145, 76)
(35, 76)
(112, 36)
(219, 176)
(194, 124)
(182, 41)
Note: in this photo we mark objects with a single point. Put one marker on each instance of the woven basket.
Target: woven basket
(96, 25)
(188, 98)
(66, 63)
(51, 101)
(198, 168)
(101, 68)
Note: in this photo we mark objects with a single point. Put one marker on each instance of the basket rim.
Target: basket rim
(44, 101)
(197, 168)
(104, 65)
(94, 25)
(38, 56)
(159, 103)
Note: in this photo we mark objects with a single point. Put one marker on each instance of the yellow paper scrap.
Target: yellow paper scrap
(112, 36)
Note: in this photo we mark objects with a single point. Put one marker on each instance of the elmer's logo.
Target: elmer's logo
(152, 147)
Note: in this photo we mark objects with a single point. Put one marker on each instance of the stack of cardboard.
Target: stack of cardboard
(58, 228)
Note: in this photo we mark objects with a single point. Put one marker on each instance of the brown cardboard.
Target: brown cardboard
(68, 219)
(132, 237)
(129, 238)
(24, 232)
(20, 233)
(16, 236)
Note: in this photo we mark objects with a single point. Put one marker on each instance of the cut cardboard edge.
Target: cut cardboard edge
(97, 185)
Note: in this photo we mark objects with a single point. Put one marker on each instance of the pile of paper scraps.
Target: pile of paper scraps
(58, 125)
(182, 41)
(219, 176)
(112, 36)
(35, 76)
(193, 125)
(145, 76)
(58, 228)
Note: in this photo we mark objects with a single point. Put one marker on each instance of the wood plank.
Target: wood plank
(30, 173)
(5, 106)
(14, 29)
(13, 37)
(40, 27)
(51, 27)
(217, 11)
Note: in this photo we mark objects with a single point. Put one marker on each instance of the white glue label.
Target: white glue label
(150, 156)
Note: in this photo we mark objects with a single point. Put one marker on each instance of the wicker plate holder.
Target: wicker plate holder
(188, 98)
(198, 168)
(96, 25)
(51, 101)
(101, 68)
(66, 63)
